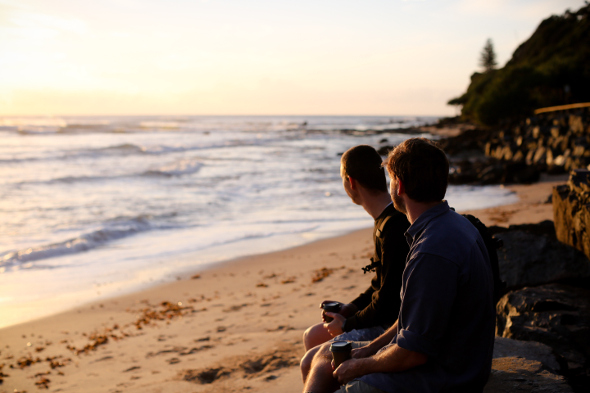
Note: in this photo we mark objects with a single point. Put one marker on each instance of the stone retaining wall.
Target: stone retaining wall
(554, 141)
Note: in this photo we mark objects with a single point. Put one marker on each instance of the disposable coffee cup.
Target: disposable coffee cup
(340, 352)
(331, 307)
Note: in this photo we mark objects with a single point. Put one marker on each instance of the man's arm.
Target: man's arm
(364, 299)
(376, 344)
(392, 359)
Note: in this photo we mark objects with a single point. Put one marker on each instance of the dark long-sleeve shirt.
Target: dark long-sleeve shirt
(375, 305)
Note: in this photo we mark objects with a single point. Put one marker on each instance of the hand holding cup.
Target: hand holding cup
(333, 307)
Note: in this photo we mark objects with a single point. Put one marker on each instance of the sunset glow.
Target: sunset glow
(65, 57)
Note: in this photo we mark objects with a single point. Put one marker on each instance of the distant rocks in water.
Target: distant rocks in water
(384, 150)
(401, 130)
(571, 211)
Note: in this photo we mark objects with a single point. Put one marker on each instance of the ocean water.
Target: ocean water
(93, 207)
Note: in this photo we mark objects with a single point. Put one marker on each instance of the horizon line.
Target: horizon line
(217, 115)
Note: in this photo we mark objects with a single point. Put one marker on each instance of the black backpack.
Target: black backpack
(492, 245)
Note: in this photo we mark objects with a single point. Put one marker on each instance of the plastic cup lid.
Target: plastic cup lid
(331, 306)
(340, 346)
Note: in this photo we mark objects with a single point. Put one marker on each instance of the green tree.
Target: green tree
(488, 56)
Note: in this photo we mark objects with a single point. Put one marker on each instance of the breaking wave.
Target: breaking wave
(109, 232)
(184, 167)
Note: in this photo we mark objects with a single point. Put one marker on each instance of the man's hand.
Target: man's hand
(322, 307)
(335, 326)
(348, 371)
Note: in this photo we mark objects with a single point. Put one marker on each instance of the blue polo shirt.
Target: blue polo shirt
(447, 309)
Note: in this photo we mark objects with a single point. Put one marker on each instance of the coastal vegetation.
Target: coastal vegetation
(551, 68)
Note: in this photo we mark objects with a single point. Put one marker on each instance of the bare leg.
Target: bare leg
(319, 378)
(306, 361)
(315, 335)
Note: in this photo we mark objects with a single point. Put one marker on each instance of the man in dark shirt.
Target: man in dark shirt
(367, 316)
(443, 338)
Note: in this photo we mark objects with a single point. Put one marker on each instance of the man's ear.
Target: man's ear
(401, 188)
(353, 183)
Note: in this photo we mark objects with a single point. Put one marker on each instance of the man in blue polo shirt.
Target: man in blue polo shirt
(444, 336)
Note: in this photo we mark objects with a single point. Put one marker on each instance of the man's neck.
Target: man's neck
(415, 209)
(374, 204)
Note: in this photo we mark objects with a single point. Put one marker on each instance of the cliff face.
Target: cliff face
(550, 68)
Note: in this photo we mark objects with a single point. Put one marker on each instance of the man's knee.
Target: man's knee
(315, 335)
(306, 334)
(319, 353)
(315, 357)
(322, 359)
(305, 363)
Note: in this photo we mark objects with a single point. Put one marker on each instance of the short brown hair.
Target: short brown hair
(422, 166)
(364, 164)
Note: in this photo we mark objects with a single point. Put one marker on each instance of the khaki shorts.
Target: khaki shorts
(359, 344)
(358, 387)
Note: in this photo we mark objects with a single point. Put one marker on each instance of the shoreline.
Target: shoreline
(210, 325)
(27, 304)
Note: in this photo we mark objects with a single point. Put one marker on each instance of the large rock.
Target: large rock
(516, 374)
(557, 315)
(530, 350)
(571, 211)
(532, 255)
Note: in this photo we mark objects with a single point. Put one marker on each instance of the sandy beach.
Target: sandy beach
(233, 328)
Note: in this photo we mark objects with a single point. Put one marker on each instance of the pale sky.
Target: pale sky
(257, 57)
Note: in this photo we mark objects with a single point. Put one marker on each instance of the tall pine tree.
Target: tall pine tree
(488, 56)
